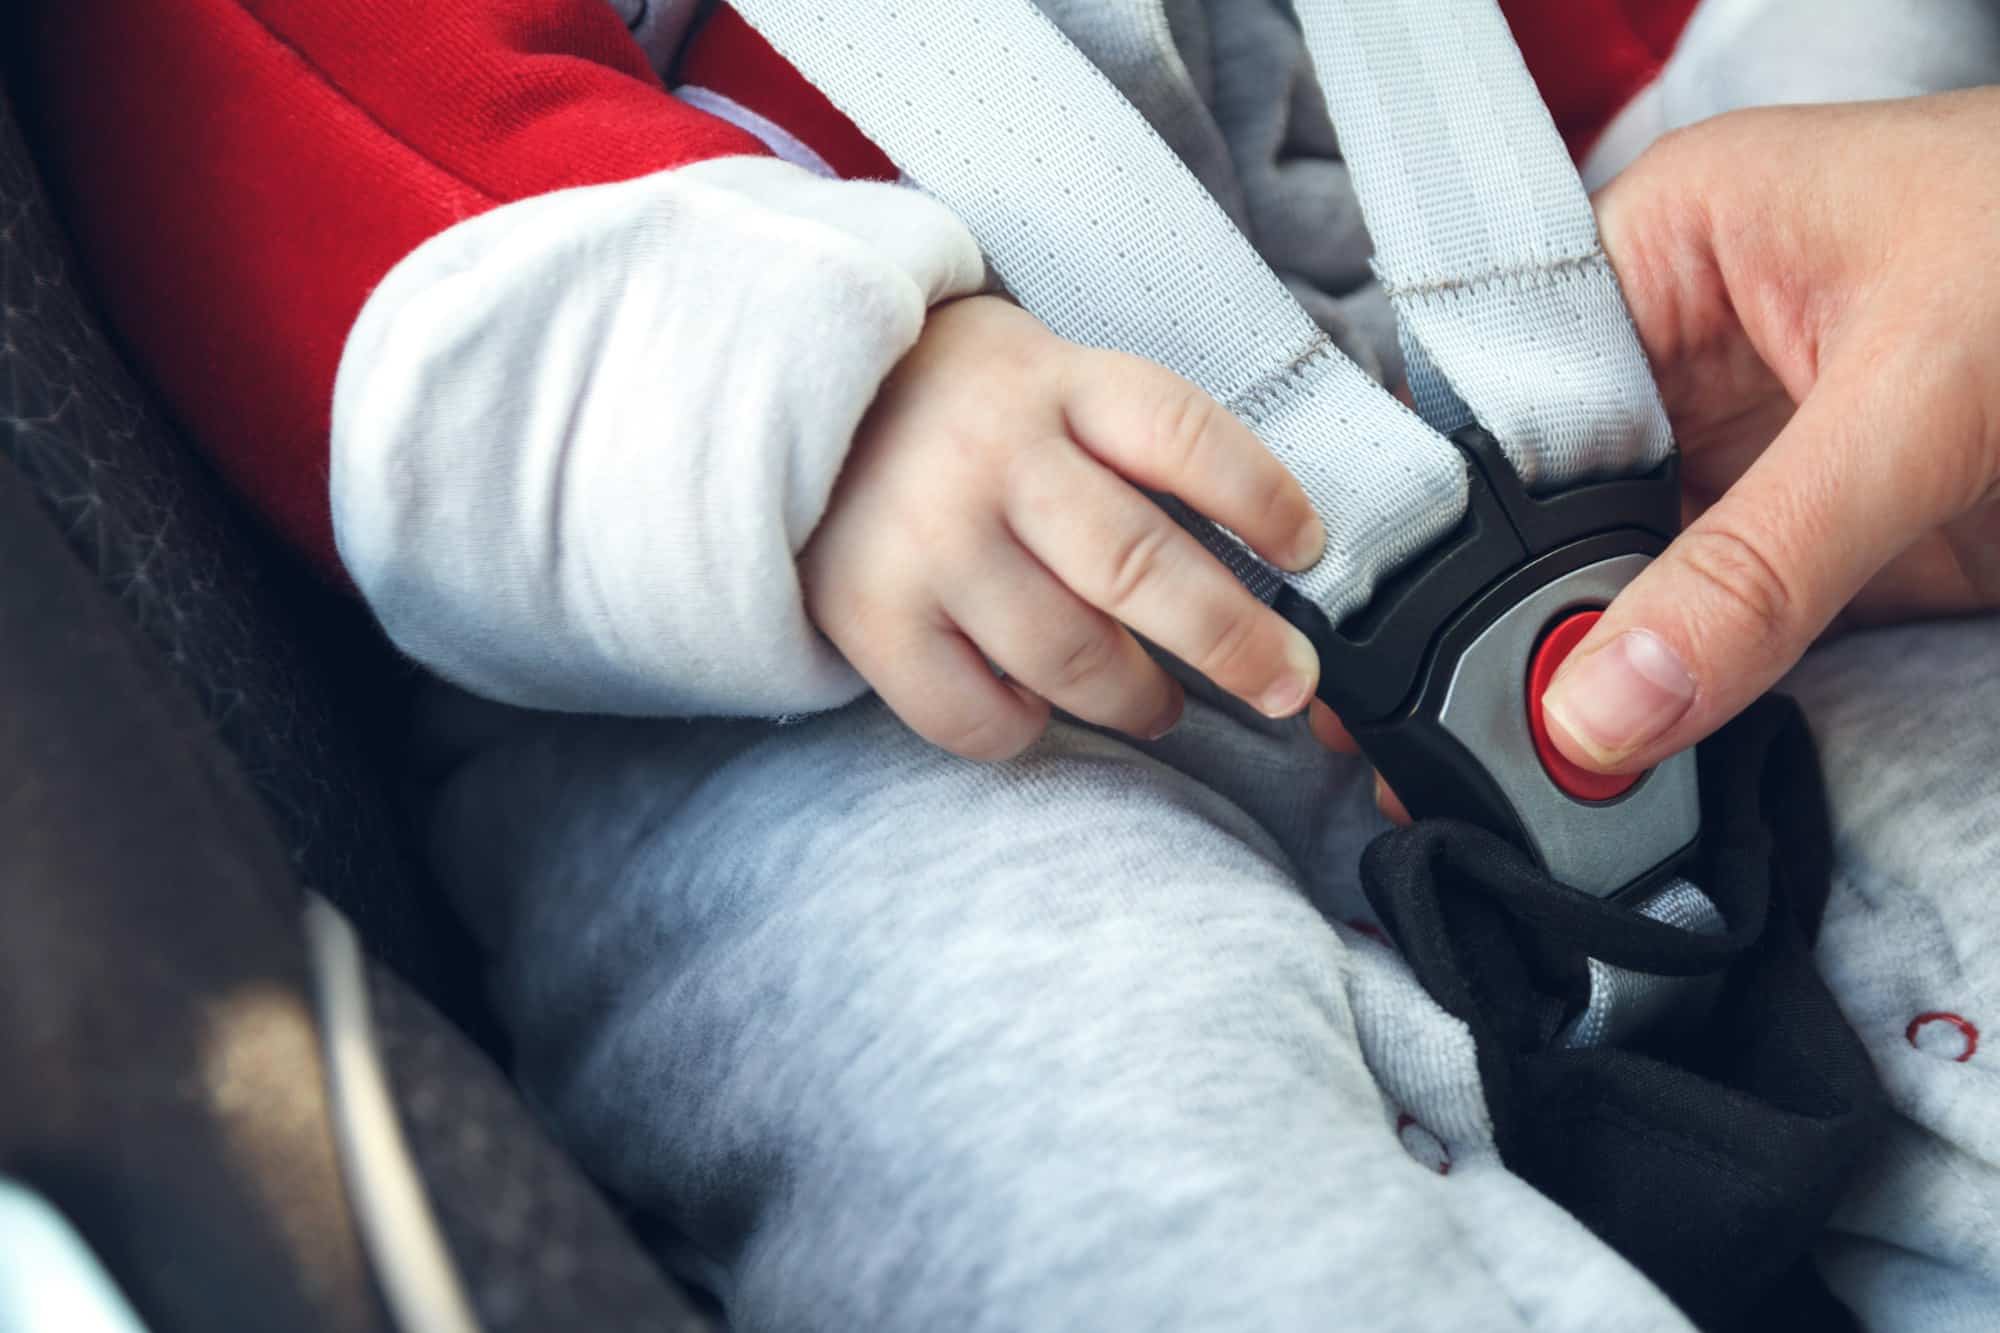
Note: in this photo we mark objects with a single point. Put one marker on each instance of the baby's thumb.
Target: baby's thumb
(1732, 604)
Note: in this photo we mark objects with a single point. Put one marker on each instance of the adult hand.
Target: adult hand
(1845, 259)
(1818, 289)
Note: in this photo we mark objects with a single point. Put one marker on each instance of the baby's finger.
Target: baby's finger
(1390, 804)
(1329, 730)
(1164, 434)
(1120, 552)
(1073, 655)
(931, 676)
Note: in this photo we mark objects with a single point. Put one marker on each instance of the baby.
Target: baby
(657, 415)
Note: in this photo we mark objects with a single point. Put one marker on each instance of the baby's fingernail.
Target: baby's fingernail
(1308, 546)
(1294, 686)
(1621, 696)
(1169, 719)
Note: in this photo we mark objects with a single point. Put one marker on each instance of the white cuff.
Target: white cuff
(579, 440)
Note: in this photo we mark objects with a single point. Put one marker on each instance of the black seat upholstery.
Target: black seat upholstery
(261, 648)
(307, 702)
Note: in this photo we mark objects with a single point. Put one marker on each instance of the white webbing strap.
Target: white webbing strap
(1484, 238)
(1622, 1003)
(1509, 310)
(1098, 228)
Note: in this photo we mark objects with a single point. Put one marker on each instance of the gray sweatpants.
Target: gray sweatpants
(1103, 1038)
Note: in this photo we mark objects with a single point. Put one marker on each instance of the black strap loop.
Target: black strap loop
(1711, 1156)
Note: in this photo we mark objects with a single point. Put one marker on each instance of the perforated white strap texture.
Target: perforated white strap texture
(1485, 239)
(1096, 227)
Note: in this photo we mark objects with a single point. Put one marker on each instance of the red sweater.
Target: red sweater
(240, 174)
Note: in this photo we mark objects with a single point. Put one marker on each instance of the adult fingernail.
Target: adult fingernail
(1294, 686)
(1308, 546)
(1621, 696)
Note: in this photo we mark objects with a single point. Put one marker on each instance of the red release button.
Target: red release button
(1581, 783)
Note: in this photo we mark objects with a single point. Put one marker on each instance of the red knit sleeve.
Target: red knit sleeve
(1590, 57)
(239, 174)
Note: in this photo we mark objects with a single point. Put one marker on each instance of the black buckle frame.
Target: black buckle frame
(1386, 670)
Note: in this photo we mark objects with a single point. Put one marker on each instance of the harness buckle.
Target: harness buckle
(1439, 677)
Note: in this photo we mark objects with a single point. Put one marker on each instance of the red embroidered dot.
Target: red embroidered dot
(1423, 1145)
(1966, 1031)
(1368, 928)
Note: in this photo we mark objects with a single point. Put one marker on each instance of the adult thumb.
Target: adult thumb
(1735, 601)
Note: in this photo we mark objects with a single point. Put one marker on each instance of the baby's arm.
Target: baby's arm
(580, 436)
(578, 441)
(579, 432)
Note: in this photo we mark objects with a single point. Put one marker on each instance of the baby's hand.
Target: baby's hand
(991, 511)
